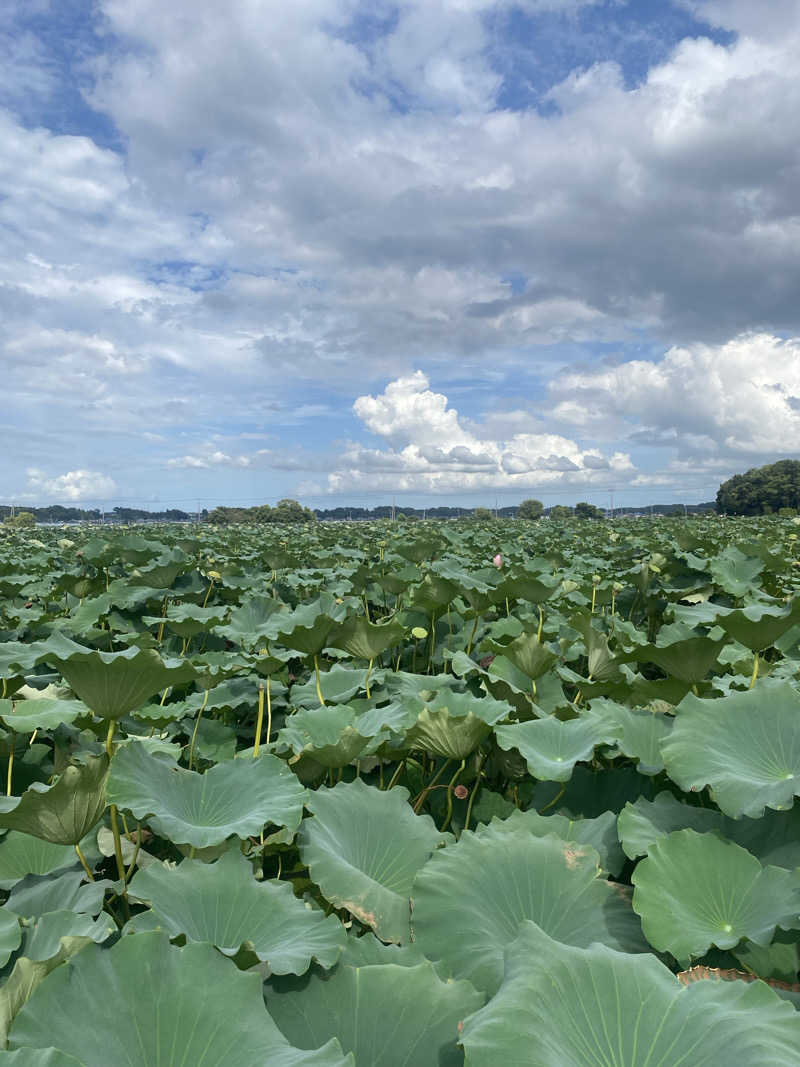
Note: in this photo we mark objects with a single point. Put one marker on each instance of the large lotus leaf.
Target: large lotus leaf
(470, 898)
(527, 654)
(38, 1057)
(434, 593)
(223, 904)
(391, 1015)
(338, 685)
(307, 628)
(116, 683)
(643, 732)
(255, 622)
(570, 1007)
(62, 813)
(186, 620)
(601, 664)
(237, 797)
(163, 572)
(689, 660)
(453, 724)
(600, 833)
(746, 746)
(10, 934)
(697, 890)
(758, 626)
(551, 748)
(535, 588)
(36, 895)
(773, 839)
(25, 716)
(45, 934)
(332, 735)
(363, 848)
(22, 854)
(191, 1006)
(364, 639)
(734, 572)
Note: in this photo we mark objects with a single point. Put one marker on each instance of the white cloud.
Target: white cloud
(74, 486)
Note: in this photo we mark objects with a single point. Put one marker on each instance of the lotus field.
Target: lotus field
(383, 794)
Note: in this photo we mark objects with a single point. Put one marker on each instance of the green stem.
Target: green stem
(432, 645)
(555, 799)
(208, 591)
(366, 680)
(118, 847)
(196, 724)
(541, 625)
(430, 785)
(755, 671)
(10, 763)
(450, 787)
(473, 794)
(84, 864)
(319, 687)
(472, 635)
(259, 720)
(397, 773)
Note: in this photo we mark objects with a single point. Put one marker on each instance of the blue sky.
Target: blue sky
(451, 251)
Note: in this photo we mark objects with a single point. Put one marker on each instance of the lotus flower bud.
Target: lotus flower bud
(498, 561)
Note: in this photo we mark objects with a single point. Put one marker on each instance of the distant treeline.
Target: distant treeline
(59, 513)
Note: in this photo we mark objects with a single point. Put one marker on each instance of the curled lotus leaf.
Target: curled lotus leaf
(642, 732)
(192, 1006)
(62, 813)
(551, 748)
(332, 735)
(698, 890)
(561, 1006)
(470, 898)
(363, 848)
(745, 746)
(238, 797)
(223, 904)
(25, 716)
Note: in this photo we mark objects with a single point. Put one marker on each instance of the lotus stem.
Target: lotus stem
(421, 798)
(366, 680)
(260, 720)
(208, 591)
(196, 724)
(541, 625)
(160, 637)
(132, 866)
(84, 864)
(755, 671)
(396, 775)
(555, 799)
(319, 687)
(472, 634)
(450, 788)
(473, 794)
(432, 645)
(118, 847)
(10, 763)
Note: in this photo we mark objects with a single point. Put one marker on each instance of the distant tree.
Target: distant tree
(531, 509)
(560, 511)
(482, 514)
(587, 511)
(20, 520)
(291, 511)
(761, 490)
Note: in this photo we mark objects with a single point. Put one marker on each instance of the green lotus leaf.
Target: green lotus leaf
(25, 716)
(689, 660)
(758, 626)
(561, 1006)
(433, 594)
(364, 639)
(331, 735)
(62, 813)
(44, 934)
(697, 890)
(526, 653)
(453, 724)
(470, 898)
(602, 665)
(113, 684)
(339, 685)
(223, 904)
(37, 895)
(191, 1006)
(22, 854)
(255, 622)
(163, 572)
(10, 934)
(307, 628)
(590, 791)
(773, 839)
(535, 588)
(186, 620)
(780, 962)
(234, 798)
(642, 732)
(38, 1057)
(551, 748)
(386, 1014)
(600, 833)
(363, 848)
(746, 746)
(735, 572)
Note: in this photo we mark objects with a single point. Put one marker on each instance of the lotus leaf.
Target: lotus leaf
(551, 748)
(192, 1006)
(223, 904)
(238, 797)
(62, 813)
(470, 898)
(25, 716)
(561, 1006)
(363, 848)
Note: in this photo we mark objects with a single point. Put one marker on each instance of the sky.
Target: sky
(443, 251)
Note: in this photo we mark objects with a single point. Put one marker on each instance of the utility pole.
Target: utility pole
(394, 499)
(611, 491)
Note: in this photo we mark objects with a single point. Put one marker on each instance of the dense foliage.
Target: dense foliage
(394, 794)
(762, 490)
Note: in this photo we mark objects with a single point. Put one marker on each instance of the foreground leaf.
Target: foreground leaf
(62, 813)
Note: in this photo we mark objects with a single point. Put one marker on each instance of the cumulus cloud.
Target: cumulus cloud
(432, 450)
(74, 486)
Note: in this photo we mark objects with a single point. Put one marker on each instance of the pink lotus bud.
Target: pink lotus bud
(498, 561)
